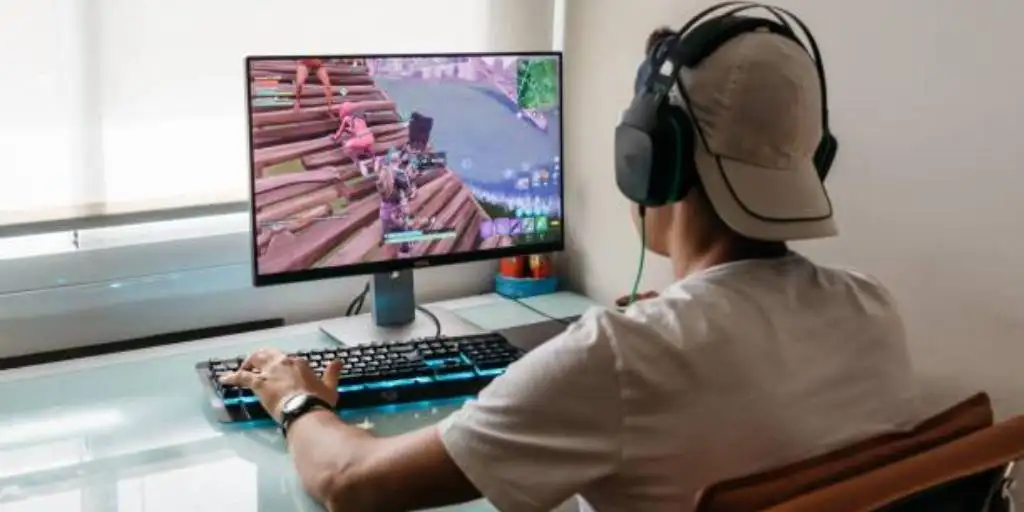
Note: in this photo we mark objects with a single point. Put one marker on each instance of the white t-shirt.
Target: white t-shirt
(740, 368)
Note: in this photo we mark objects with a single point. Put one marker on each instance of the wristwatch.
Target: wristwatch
(296, 406)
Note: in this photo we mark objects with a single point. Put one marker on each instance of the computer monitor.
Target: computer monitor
(377, 164)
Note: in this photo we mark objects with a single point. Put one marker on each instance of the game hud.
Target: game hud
(359, 160)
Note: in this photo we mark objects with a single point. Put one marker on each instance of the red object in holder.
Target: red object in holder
(540, 266)
(514, 266)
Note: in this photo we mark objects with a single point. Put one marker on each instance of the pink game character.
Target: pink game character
(302, 70)
(353, 134)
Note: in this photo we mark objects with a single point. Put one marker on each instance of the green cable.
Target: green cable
(643, 253)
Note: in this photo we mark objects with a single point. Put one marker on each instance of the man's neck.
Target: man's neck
(689, 261)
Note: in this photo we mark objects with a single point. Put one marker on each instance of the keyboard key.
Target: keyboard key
(353, 379)
(452, 367)
(492, 364)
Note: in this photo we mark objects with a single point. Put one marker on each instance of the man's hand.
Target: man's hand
(274, 376)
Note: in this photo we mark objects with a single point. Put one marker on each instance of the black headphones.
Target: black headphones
(654, 142)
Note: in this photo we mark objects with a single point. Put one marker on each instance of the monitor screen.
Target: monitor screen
(365, 164)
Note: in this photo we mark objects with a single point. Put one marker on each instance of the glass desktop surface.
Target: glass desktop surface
(135, 435)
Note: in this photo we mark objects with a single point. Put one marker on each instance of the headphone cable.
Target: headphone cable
(643, 253)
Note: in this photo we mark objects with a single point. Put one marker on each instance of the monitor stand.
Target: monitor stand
(394, 299)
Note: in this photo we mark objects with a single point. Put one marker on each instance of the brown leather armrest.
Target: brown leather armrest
(984, 450)
(766, 489)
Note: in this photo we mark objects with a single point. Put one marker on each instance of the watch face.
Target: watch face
(294, 403)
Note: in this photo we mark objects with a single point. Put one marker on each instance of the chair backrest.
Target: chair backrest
(969, 474)
(770, 488)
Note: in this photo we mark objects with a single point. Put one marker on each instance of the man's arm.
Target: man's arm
(346, 468)
(547, 428)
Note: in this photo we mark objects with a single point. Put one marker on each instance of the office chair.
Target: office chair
(957, 461)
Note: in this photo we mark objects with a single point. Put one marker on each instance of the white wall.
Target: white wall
(926, 96)
(521, 25)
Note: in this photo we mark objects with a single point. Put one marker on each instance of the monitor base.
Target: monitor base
(394, 299)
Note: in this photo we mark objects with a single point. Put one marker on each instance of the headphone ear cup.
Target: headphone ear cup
(674, 164)
(663, 161)
(825, 155)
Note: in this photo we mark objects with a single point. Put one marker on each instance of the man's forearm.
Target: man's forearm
(324, 448)
(347, 468)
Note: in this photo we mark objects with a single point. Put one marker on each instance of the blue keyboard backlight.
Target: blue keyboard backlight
(433, 363)
(390, 384)
(456, 376)
(387, 384)
(358, 414)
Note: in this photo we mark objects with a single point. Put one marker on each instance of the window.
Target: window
(43, 116)
(123, 118)
(118, 106)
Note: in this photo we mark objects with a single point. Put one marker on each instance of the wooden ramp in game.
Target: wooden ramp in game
(314, 208)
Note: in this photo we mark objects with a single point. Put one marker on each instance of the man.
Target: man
(754, 358)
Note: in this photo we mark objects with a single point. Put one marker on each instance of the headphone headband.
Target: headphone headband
(664, 54)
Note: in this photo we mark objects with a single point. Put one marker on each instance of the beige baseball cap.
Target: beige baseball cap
(757, 100)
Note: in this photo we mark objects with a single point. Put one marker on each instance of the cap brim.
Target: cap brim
(767, 204)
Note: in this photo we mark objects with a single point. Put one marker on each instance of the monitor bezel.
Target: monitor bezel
(377, 267)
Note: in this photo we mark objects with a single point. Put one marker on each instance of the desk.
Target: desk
(131, 432)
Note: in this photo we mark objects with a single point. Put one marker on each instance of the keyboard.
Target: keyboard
(380, 373)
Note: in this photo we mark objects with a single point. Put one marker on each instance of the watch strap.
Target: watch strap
(310, 403)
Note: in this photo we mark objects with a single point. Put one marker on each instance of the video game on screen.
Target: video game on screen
(363, 160)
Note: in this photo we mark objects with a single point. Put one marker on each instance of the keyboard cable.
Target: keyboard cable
(433, 318)
(356, 307)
